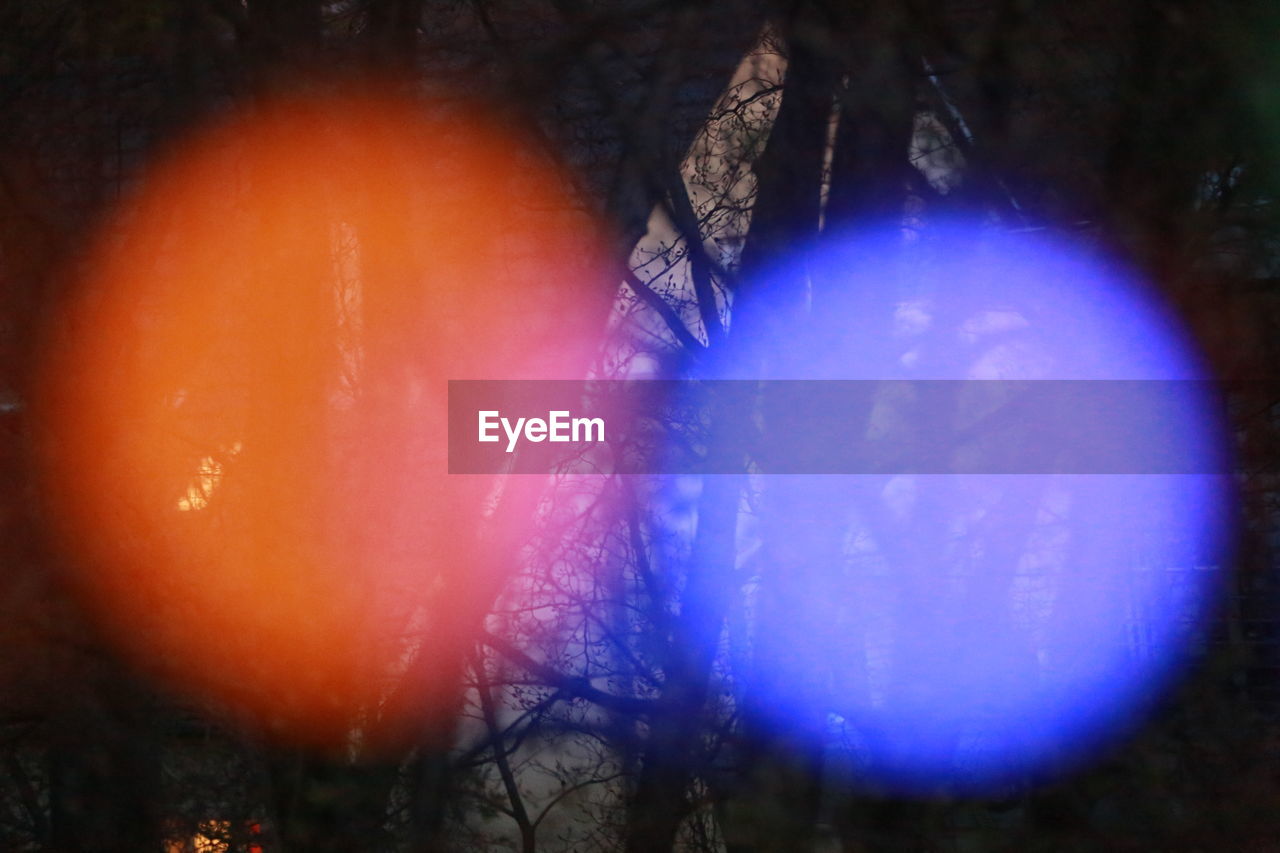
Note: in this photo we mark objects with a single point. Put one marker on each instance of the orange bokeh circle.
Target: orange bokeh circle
(245, 404)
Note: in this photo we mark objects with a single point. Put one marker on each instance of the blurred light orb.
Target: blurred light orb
(965, 633)
(246, 403)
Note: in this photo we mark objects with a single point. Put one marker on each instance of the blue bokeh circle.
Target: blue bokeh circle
(966, 632)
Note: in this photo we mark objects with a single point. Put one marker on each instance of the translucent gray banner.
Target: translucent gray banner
(837, 427)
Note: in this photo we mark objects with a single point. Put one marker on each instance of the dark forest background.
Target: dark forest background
(711, 138)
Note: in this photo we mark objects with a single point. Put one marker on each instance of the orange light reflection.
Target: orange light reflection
(246, 404)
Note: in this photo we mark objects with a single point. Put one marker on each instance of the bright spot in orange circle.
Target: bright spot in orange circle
(245, 403)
